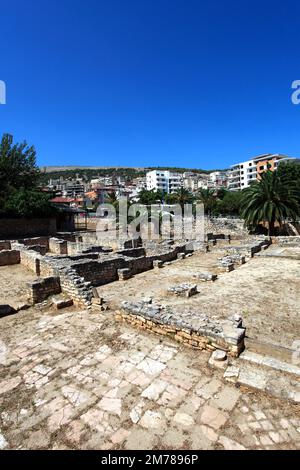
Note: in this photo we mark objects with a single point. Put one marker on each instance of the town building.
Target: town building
(163, 180)
(218, 179)
(241, 175)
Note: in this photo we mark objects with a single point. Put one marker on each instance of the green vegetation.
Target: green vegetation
(27, 203)
(291, 171)
(19, 179)
(86, 174)
(181, 196)
(128, 173)
(270, 200)
(181, 170)
(208, 198)
(228, 203)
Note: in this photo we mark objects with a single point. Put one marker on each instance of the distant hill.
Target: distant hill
(111, 169)
(51, 169)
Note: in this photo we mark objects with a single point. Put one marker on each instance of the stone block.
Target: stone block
(62, 303)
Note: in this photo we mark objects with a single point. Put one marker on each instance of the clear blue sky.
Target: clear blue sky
(191, 83)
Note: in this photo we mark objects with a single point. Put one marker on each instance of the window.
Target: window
(261, 167)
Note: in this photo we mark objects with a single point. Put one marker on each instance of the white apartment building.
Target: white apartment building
(163, 180)
(218, 178)
(243, 174)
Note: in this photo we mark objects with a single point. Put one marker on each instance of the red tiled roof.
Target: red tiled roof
(63, 200)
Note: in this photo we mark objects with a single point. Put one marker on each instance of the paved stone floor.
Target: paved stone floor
(81, 380)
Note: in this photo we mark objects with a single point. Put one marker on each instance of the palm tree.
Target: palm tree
(208, 198)
(150, 197)
(270, 199)
(111, 198)
(180, 196)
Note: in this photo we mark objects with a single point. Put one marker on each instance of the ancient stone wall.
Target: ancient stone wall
(139, 265)
(99, 272)
(43, 241)
(68, 236)
(58, 246)
(8, 257)
(40, 289)
(76, 287)
(286, 241)
(132, 252)
(193, 329)
(31, 261)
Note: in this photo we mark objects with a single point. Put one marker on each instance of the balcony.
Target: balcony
(232, 177)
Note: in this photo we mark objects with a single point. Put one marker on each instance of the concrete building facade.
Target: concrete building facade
(241, 175)
(163, 180)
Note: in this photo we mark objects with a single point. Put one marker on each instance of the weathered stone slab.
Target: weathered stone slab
(183, 290)
(61, 302)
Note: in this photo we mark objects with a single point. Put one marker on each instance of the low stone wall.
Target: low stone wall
(139, 265)
(217, 236)
(76, 287)
(99, 272)
(68, 236)
(287, 241)
(190, 328)
(44, 241)
(58, 246)
(4, 245)
(105, 269)
(248, 249)
(132, 252)
(8, 257)
(40, 289)
(41, 249)
(30, 259)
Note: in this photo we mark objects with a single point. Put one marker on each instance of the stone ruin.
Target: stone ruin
(70, 266)
(192, 328)
(183, 290)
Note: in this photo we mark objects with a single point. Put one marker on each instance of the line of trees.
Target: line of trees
(216, 202)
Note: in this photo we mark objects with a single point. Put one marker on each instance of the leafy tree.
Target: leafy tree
(27, 203)
(18, 167)
(229, 204)
(291, 171)
(270, 199)
(19, 178)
